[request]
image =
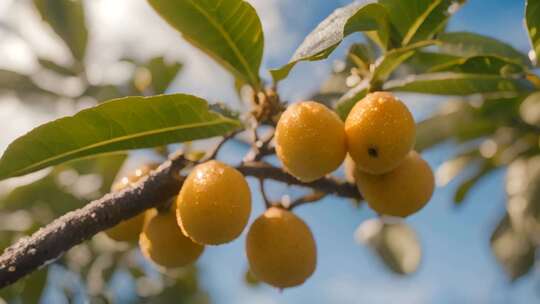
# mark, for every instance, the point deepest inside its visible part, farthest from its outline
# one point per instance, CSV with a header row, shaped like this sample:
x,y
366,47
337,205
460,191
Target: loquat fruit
x,y
128,230
400,192
162,242
214,204
380,131
310,140
280,248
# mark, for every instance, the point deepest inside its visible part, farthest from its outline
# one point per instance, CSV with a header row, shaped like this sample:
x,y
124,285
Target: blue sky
x,y
457,265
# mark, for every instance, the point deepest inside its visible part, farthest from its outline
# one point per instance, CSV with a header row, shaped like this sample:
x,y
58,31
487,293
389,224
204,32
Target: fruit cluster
x,y
214,204
378,134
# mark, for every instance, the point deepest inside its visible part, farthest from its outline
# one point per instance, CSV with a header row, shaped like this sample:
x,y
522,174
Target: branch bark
x,y
328,185
52,241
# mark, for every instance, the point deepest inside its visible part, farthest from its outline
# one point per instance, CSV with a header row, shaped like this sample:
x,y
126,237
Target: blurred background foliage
x,y
93,266
492,116
492,124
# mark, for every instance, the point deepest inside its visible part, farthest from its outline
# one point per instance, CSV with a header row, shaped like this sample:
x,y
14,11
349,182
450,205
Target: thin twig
x,y
267,202
264,149
221,143
308,198
260,149
328,185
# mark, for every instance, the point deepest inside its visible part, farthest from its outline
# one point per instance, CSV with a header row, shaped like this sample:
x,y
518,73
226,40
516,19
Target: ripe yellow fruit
x,y
380,132
400,192
163,243
128,230
310,140
214,204
280,248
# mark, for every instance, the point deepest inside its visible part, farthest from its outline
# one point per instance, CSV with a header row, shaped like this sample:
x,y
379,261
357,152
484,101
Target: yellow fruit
x,y
280,248
214,204
163,243
134,177
310,140
400,192
128,230
380,132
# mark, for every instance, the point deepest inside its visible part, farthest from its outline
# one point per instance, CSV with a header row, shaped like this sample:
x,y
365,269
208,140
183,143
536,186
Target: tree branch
x,y
52,241
327,185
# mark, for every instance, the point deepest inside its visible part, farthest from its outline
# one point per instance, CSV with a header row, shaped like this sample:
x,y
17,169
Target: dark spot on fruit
x,y
373,152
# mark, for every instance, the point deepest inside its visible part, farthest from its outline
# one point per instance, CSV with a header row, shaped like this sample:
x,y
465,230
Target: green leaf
x,y
416,20
485,64
435,20
104,92
370,17
465,187
58,189
153,77
345,104
229,31
28,290
224,110
395,243
34,286
442,126
512,249
13,81
458,84
163,73
107,166
501,109
59,69
452,168
120,124
67,19
391,60
331,31
362,55
532,20
46,191
408,15
424,62
470,44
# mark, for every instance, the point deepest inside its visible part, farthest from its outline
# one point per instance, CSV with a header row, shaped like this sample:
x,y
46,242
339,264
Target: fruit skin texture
x,y
400,192
214,204
310,140
128,230
280,248
380,132
163,243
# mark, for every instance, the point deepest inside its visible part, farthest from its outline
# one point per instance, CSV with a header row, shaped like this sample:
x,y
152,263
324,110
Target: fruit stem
x,y
267,202
221,143
306,199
